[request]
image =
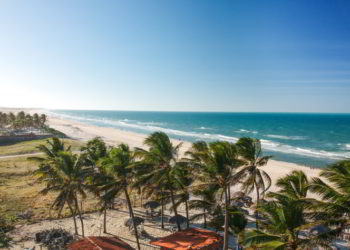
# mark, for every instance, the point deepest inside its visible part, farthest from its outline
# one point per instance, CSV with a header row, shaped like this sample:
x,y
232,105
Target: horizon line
x,y
182,111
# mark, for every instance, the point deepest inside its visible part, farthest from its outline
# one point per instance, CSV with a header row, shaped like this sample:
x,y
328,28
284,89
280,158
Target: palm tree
x,y
118,168
95,150
205,199
42,120
36,120
217,162
251,153
335,194
296,185
65,173
158,193
183,180
20,119
11,119
285,216
50,150
162,160
237,223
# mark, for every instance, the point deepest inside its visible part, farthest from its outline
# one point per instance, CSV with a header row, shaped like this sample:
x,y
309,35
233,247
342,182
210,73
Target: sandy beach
x,y
112,136
23,235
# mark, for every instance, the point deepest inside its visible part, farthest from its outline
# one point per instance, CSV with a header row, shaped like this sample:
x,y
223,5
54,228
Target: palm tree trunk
x,y
75,222
175,209
80,217
237,242
141,197
105,220
226,222
229,193
205,219
162,209
257,205
132,217
188,221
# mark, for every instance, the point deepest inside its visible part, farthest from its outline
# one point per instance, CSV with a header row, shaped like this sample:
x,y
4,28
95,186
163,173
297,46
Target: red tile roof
x,y
98,243
192,238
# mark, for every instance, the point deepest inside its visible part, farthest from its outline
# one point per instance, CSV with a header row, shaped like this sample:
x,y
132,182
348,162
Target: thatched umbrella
x,y
151,205
177,219
319,230
138,221
237,203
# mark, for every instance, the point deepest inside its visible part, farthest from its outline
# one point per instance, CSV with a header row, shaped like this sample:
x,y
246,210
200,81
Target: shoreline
x,y
113,136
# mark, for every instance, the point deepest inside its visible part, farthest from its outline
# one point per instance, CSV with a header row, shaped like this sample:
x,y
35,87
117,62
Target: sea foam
x,y
269,145
284,137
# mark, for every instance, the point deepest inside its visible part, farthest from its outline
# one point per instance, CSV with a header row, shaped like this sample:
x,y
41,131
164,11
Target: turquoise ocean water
x,y
309,139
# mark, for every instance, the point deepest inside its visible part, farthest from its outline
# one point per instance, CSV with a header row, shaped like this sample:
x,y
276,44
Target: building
x,y
192,238
98,243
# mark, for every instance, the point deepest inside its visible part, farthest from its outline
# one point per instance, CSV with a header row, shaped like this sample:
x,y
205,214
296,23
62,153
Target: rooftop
x,y
192,238
98,243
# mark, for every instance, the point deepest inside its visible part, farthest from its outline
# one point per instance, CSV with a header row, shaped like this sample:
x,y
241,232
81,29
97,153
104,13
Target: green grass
x,y
27,147
19,191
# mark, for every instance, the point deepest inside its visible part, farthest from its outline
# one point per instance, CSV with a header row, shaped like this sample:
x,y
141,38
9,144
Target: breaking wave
x,y
267,144
246,131
284,137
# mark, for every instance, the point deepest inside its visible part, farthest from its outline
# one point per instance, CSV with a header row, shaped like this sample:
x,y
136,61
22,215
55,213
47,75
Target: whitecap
x,y
246,131
267,144
152,123
284,137
203,128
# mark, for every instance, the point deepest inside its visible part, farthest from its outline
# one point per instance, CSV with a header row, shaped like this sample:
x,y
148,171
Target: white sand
x,y
113,136
23,236
93,222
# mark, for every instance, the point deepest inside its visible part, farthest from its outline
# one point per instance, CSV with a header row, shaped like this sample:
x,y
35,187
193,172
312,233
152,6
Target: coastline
x,y
114,136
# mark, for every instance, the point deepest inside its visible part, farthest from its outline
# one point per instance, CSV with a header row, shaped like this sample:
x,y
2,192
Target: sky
x,y
176,55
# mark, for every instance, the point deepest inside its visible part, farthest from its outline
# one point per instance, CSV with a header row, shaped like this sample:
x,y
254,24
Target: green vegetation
x,y
10,121
28,147
287,219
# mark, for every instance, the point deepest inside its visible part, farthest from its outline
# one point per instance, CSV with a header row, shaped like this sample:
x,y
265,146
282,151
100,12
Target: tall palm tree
x,y
335,194
65,173
42,120
296,185
217,162
162,159
205,200
95,149
251,153
50,150
118,168
285,217
183,181
157,193
36,120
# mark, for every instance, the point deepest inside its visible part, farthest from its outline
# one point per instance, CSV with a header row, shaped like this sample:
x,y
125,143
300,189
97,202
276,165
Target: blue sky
x,y
269,56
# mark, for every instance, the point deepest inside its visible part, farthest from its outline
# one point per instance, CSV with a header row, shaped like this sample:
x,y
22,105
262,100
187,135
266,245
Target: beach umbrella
x,y
138,221
319,230
151,204
177,219
237,203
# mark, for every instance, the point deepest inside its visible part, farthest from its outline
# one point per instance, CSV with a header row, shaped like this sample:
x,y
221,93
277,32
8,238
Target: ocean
x,y
309,139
